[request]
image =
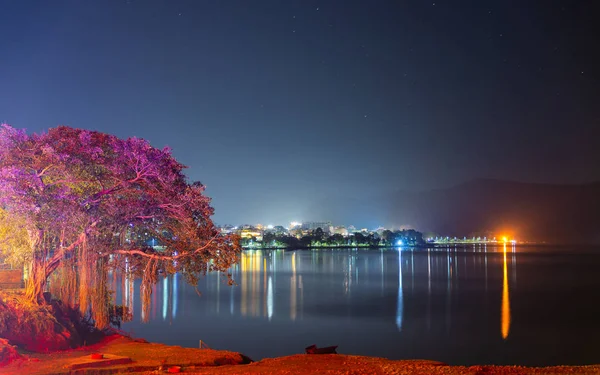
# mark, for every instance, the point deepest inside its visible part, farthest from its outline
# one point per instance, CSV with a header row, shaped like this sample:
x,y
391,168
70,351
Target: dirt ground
x,y
150,358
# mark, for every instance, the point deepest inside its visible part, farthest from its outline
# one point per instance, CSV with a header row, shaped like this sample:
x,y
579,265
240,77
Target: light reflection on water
x,y
442,304
400,298
505,300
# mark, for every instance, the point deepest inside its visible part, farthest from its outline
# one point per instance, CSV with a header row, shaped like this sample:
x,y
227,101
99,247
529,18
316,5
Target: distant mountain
x,y
560,214
535,212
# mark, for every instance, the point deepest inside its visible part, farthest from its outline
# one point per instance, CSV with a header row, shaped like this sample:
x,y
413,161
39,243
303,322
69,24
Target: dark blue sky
x,y
279,105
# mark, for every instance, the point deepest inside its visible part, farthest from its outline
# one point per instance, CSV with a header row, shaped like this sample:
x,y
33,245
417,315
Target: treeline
x,y
318,238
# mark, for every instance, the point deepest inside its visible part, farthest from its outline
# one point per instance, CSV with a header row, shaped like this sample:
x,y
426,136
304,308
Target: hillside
x,y
558,214
534,212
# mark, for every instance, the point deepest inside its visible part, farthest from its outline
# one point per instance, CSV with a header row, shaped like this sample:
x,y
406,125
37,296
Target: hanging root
x,y
148,280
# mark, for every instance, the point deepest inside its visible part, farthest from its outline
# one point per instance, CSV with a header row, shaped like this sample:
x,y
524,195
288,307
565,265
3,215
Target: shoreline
x,y
152,358
426,246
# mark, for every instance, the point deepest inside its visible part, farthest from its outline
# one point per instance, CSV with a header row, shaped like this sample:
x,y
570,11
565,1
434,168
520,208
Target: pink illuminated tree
x,y
91,203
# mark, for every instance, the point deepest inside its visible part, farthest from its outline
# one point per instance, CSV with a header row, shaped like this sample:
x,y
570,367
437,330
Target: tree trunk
x,y
36,282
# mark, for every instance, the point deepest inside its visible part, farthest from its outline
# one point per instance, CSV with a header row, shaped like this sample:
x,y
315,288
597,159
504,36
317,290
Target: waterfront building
x,y
251,233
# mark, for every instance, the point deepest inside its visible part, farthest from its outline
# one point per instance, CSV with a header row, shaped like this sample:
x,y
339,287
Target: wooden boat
x,y
326,350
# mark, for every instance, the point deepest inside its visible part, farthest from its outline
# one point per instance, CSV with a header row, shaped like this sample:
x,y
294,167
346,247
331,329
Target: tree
x,y
372,240
336,239
317,236
84,199
268,239
15,248
359,238
388,237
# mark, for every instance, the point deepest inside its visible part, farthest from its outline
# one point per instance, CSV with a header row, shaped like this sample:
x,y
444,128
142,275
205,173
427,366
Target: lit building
x,y
340,230
251,233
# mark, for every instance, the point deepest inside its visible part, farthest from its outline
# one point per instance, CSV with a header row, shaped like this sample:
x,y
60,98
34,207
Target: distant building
x,y
226,229
251,232
280,229
277,229
380,230
340,230
314,225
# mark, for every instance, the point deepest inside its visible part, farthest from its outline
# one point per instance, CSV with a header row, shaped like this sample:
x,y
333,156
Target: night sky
x,y
276,105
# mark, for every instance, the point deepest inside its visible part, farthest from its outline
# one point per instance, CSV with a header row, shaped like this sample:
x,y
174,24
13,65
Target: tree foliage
x,y
90,202
318,239
15,248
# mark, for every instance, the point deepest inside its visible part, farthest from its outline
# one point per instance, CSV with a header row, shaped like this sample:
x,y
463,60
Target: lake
x,y
475,305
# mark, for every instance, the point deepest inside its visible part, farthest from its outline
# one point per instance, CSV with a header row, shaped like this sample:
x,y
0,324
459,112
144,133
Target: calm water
x,y
530,306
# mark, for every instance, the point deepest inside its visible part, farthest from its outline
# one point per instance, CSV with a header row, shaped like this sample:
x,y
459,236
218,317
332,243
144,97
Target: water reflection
x,y
175,293
258,271
270,298
400,304
428,289
415,291
293,298
505,301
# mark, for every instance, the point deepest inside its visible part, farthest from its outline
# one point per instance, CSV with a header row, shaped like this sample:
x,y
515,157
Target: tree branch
x,y
162,257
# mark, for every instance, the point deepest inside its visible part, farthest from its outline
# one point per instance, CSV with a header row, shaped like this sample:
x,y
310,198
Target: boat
x,y
326,350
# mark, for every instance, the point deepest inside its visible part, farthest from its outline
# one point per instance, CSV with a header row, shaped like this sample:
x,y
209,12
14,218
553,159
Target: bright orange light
x,y
504,239
505,313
